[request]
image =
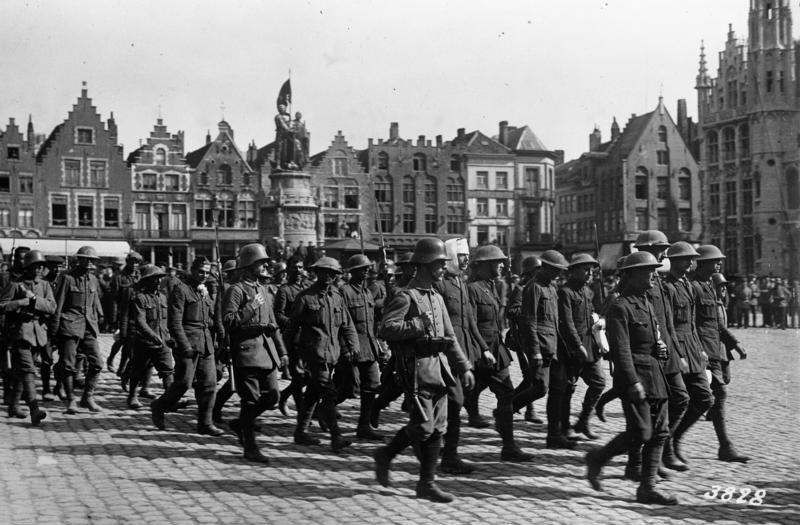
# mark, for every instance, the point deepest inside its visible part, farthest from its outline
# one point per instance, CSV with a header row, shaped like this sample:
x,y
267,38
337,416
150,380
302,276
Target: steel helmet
x,y
428,250
681,249
709,252
357,261
530,264
87,252
33,257
488,252
150,271
134,256
251,254
54,260
639,260
583,258
718,278
554,259
650,238
327,263
278,268
389,268
229,266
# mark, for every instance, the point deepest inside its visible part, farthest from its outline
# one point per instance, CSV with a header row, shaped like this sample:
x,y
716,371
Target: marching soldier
x,y
693,358
26,304
222,357
320,328
53,265
715,338
417,325
455,293
190,318
151,338
284,301
579,349
366,374
530,265
13,275
76,326
256,345
121,293
492,370
638,354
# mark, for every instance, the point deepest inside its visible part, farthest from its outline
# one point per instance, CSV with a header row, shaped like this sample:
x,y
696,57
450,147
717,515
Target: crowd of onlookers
x,y
776,300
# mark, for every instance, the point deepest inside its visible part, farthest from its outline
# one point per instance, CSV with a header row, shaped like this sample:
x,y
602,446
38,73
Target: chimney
x,y
208,136
84,90
438,141
421,140
595,138
559,156
682,119
615,133
369,143
394,131
504,132
112,129
461,132
31,136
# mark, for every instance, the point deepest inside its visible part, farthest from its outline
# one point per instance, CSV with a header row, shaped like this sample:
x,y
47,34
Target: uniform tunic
x,y
75,321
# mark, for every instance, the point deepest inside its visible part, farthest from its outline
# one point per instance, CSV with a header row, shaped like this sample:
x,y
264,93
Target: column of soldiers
x,y
430,329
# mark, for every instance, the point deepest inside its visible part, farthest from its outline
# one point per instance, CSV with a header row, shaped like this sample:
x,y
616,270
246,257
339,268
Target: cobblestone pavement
x,y
115,468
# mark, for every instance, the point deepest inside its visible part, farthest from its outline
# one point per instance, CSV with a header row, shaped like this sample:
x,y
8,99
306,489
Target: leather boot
x,y
69,396
223,395
133,399
304,412
37,414
157,414
594,466
669,459
555,439
248,436
286,393
87,400
633,469
504,421
451,461
426,487
327,413
647,493
582,426
384,455
530,415
15,401
47,394
364,430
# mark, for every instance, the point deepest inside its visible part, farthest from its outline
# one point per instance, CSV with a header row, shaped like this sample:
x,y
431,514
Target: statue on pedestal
x,y
291,136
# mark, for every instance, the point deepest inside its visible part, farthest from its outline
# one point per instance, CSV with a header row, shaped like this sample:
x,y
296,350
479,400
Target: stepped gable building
x,y
226,193
644,178
534,189
19,216
84,185
749,128
344,192
161,198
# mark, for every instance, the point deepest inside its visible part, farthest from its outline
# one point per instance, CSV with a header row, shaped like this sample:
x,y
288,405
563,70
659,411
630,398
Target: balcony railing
x,y
160,234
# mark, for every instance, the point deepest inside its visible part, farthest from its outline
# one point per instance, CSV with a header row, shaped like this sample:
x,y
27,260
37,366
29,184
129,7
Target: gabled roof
x,y
630,135
193,158
49,142
524,139
477,142
134,156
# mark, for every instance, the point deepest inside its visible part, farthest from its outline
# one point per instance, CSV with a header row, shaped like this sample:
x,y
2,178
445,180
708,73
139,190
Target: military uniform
x,y
122,291
284,300
190,320
151,341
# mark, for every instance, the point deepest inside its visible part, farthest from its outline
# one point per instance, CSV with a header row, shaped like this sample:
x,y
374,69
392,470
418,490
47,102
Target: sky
x,y
560,67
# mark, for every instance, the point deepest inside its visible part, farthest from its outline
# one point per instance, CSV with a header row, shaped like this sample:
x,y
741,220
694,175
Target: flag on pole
x,y
285,95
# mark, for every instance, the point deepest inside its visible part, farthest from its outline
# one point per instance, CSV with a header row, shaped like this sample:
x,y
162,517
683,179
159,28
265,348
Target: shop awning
x,y
67,247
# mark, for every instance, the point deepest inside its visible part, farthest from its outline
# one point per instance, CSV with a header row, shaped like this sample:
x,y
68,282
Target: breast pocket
x,y
74,296
707,309
640,328
358,310
682,312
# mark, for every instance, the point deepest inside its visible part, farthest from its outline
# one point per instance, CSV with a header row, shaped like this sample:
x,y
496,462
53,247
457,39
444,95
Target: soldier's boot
x,y
327,412
47,393
504,422
223,395
37,414
87,400
248,436
595,459
205,404
451,461
599,408
133,398
67,382
283,399
429,456
670,460
7,386
58,389
474,417
582,425
304,412
726,450
382,400
384,455
633,468
144,391
364,430
647,492
530,415
555,439
691,417
15,402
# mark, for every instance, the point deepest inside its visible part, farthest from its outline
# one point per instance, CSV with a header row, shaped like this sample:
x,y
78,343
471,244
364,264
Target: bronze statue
x,y
291,140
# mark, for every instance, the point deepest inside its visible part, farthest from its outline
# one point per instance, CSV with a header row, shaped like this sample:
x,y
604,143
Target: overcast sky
x,y
559,66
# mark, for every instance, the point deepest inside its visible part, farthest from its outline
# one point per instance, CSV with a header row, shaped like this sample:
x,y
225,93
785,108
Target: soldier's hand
x,y
636,392
348,357
584,352
29,294
468,380
537,360
284,362
741,351
258,300
427,319
488,357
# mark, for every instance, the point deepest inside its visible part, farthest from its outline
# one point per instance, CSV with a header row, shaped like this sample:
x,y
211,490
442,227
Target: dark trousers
x,y
196,370
256,387
23,370
68,355
700,400
536,385
562,384
321,389
144,356
720,377
592,374
498,382
455,401
779,316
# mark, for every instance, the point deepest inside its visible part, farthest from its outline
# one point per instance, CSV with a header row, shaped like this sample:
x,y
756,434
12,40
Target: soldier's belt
x,y
431,346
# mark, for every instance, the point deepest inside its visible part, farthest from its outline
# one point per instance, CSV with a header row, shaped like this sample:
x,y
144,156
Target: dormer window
x,y
84,135
12,152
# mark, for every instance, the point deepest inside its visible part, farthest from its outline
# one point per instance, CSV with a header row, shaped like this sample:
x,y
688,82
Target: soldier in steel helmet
x,y
14,274
256,345
578,347
190,318
75,325
693,358
530,265
639,355
121,293
417,325
150,335
321,330
539,330
26,304
492,369
717,341
284,300
365,372
222,356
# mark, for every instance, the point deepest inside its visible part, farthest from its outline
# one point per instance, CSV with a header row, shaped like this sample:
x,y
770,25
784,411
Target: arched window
x,y
455,190
160,156
729,144
792,189
712,140
409,193
383,160
224,175
641,183
430,190
419,162
662,134
340,163
685,185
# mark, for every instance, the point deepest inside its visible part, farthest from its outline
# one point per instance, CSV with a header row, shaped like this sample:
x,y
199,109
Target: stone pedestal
x,y
290,210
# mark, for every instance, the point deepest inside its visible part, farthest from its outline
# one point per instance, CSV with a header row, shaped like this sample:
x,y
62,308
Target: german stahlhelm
x,y
251,254
357,261
428,250
33,257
